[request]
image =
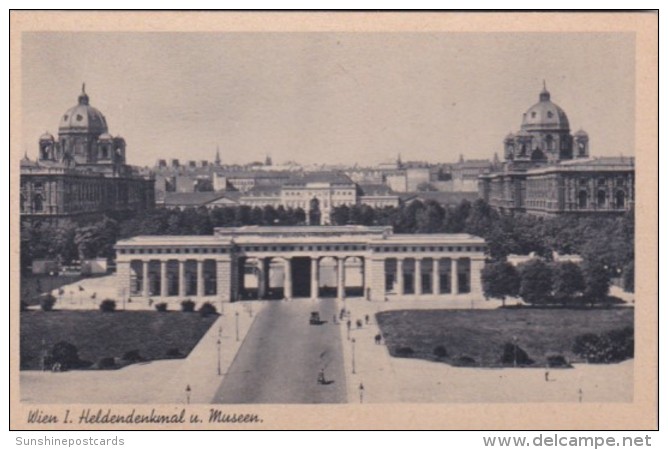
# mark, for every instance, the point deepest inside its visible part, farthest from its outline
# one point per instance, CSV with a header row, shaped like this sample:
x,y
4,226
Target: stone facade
x,y
83,173
289,262
548,171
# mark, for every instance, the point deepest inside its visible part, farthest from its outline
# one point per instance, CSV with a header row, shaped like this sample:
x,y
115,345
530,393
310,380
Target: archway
x,y
538,155
583,200
620,200
601,199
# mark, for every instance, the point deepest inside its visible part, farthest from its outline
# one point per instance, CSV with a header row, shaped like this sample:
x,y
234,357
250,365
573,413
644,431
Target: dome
x,y
545,115
83,118
581,133
105,137
46,137
510,137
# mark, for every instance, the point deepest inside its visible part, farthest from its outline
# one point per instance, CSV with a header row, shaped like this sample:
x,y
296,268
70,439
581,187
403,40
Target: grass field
x,y
100,335
481,334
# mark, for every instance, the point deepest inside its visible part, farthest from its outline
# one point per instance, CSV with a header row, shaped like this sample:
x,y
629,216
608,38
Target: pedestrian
x,y
348,324
359,323
377,339
386,298
334,319
366,319
547,375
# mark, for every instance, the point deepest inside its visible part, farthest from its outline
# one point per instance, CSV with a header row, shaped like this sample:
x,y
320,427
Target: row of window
x,y
302,248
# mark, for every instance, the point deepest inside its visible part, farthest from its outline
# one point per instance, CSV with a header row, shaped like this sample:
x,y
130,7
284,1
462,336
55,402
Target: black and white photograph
x,y
224,218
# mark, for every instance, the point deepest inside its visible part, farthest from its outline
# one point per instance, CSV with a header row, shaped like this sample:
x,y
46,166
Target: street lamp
x,y
218,344
236,317
188,390
514,351
353,345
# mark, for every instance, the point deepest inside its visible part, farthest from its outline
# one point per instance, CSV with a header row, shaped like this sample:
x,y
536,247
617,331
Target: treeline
x,y
607,240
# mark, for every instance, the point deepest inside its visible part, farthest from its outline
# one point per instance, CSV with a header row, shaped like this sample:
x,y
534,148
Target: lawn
x,y
103,335
481,334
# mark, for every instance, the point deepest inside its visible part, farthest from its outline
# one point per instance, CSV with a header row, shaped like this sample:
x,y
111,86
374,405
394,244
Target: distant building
x,y
548,171
465,173
83,174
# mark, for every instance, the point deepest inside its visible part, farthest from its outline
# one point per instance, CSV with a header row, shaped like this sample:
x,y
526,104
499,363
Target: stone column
x,y
454,277
436,277
315,275
341,278
261,278
418,276
182,278
146,281
376,281
224,280
476,268
400,276
163,278
287,281
124,278
200,278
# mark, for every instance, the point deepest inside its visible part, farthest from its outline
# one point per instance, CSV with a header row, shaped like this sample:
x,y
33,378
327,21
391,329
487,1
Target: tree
x,y
500,280
628,277
597,281
340,215
535,282
567,281
430,218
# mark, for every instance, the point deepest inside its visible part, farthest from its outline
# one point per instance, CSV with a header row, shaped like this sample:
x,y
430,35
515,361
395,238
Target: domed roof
x,y
581,133
510,137
83,118
46,136
545,115
105,137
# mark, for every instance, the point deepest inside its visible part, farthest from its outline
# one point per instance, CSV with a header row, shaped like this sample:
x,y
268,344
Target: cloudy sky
x,y
328,97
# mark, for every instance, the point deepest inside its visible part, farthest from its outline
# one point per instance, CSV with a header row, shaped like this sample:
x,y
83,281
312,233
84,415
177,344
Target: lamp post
x,y
218,345
43,354
188,390
236,317
514,351
353,346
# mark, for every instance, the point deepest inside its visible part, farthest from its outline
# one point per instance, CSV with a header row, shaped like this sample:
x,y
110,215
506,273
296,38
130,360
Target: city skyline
x,y
328,97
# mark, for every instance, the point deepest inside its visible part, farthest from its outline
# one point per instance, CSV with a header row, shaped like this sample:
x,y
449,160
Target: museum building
x,y
82,174
256,262
549,171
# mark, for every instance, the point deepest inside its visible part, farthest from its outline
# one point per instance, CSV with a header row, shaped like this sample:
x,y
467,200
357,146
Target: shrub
x,y
207,309
47,302
187,306
556,360
108,305
161,307
65,354
132,356
613,346
106,363
174,353
514,355
404,351
440,351
464,361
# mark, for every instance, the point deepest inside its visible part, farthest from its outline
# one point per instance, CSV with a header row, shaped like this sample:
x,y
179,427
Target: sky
x,y
328,97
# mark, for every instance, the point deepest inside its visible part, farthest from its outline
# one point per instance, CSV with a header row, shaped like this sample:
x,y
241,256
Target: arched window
x,y
549,143
37,203
105,152
23,202
537,155
523,152
582,200
601,199
620,199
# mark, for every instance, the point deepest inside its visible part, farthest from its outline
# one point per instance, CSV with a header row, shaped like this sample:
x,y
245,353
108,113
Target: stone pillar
x,y
454,277
182,278
341,278
418,276
146,281
163,278
200,278
123,277
400,276
287,281
314,277
261,278
476,282
436,277
376,281
224,280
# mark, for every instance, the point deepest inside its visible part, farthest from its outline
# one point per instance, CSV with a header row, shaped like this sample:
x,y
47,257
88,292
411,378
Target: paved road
x,y
279,360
